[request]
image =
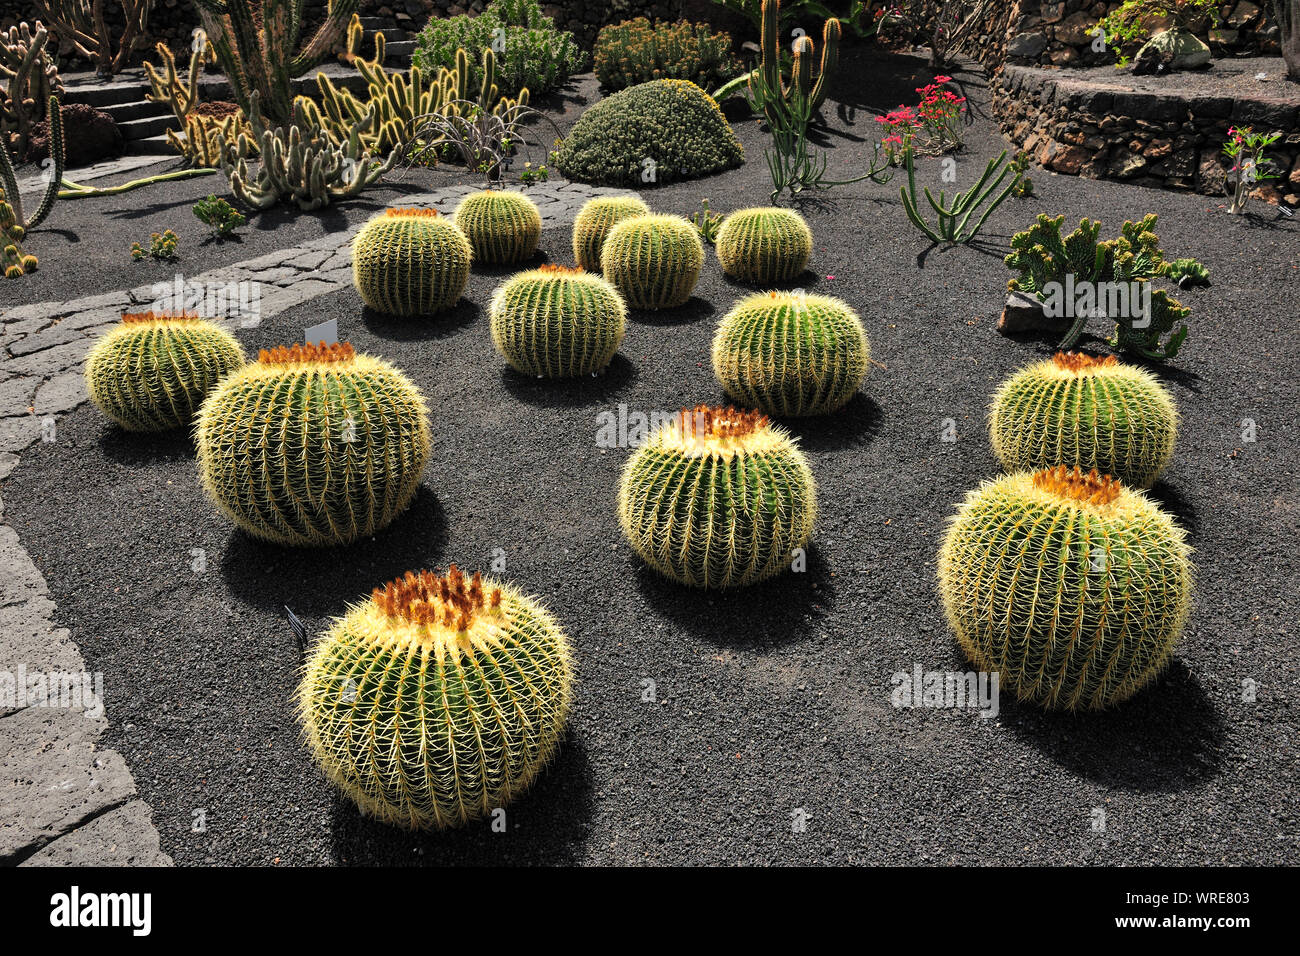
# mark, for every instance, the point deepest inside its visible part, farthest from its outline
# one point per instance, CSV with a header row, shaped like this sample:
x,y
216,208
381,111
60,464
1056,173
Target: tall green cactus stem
x,y
594,221
1071,586
775,95
504,227
654,261
791,354
437,700
557,322
313,446
410,262
28,78
718,498
1094,413
53,176
256,43
953,223
152,372
764,246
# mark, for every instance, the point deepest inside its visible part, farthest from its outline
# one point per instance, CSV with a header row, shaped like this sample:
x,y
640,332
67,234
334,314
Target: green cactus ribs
x,y
503,227
438,700
410,262
557,322
718,498
764,246
152,372
1075,409
313,445
594,221
1069,584
654,261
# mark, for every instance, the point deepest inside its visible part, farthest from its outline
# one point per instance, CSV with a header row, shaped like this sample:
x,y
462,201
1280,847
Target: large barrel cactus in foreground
x,y
718,498
152,372
438,699
764,246
1078,410
594,221
410,262
1070,585
653,261
313,445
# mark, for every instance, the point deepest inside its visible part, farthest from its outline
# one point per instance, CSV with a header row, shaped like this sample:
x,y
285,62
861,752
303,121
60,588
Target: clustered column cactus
x,y
205,140
439,699
594,221
81,25
15,261
773,95
764,246
410,262
654,261
28,78
504,227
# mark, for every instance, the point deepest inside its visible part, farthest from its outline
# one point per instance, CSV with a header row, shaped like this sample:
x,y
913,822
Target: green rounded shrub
x,y
635,51
764,246
410,262
594,221
557,322
654,261
152,372
502,226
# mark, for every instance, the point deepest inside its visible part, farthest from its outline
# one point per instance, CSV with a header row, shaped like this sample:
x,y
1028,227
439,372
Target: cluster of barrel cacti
x,y
411,262
654,261
594,221
503,226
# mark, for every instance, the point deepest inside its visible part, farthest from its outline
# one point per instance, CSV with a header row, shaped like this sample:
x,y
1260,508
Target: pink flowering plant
x,y
1250,166
932,127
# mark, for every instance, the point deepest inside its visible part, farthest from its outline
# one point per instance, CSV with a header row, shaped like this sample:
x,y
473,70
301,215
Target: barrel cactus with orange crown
x,y
153,371
313,445
410,262
437,700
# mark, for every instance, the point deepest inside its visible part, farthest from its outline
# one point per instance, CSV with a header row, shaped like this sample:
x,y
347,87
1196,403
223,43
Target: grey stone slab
x,y
16,394
59,334
8,462
18,432
51,360
122,837
61,393
20,579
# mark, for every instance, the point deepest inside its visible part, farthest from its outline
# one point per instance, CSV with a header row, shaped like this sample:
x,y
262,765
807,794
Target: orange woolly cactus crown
x,y
1091,488
429,598
301,354
706,429
411,211
554,268
143,318
1082,364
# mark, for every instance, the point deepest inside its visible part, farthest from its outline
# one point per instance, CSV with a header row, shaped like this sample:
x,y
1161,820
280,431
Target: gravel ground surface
x,y
770,737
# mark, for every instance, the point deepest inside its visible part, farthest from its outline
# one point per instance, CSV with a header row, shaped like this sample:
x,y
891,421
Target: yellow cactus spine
x,y
594,221
410,262
654,261
764,246
504,227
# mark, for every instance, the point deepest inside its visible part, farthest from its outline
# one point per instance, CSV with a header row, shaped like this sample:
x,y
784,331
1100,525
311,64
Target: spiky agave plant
x,y
438,699
654,261
718,498
410,262
313,445
153,371
790,353
764,246
557,322
1069,584
594,221
1075,409
503,226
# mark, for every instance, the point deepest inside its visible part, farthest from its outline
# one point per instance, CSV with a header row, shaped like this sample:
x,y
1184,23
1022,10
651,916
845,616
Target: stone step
x,y
150,146
401,49
147,127
140,109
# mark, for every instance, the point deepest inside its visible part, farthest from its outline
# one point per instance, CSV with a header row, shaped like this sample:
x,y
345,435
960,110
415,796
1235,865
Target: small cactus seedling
x,y
1078,410
218,215
764,246
594,221
313,445
1069,584
152,372
410,262
654,261
504,227
437,700
718,498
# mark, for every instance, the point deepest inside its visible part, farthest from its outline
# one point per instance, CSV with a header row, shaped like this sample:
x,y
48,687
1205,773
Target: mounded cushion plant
x,y
594,221
1070,585
764,246
438,699
635,51
503,226
1074,409
313,445
670,126
410,262
718,498
790,353
654,261
557,322
152,372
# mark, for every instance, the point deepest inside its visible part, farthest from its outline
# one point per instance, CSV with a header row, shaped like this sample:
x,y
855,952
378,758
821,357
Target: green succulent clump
x,y
410,262
1187,273
437,700
657,132
1094,413
764,246
654,261
152,372
594,221
790,353
557,322
503,226
313,446
718,498
1071,586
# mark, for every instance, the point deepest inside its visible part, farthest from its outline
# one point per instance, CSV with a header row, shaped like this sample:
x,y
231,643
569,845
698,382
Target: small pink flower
x,y
831,278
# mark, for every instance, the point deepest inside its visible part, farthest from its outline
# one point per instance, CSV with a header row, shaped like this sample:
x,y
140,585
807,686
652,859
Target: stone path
x,y
63,800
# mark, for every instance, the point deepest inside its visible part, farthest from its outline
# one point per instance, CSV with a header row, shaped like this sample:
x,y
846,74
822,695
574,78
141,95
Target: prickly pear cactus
x,y
594,221
654,261
437,700
410,262
718,498
504,227
764,246
1071,586
152,372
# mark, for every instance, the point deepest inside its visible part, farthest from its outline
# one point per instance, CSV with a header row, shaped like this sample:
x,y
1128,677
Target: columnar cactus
x,y
790,353
153,371
438,699
1078,410
313,445
654,261
28,78
410,262
1069,584
504,227
594,221
718,498
557,322
764,246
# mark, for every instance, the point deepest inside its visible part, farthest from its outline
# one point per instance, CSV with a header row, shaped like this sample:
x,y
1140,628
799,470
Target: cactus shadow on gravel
x,y
141,449
1173,500
581,392
421,328
854,424
693,311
